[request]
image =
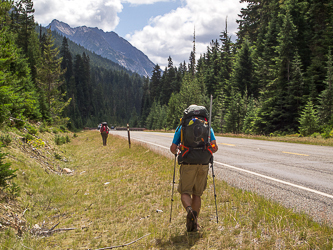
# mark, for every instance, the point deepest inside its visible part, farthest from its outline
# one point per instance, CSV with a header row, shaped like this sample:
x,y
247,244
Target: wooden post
x,y
129,136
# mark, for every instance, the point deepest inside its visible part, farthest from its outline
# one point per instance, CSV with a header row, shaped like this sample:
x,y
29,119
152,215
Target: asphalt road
x,y
296,175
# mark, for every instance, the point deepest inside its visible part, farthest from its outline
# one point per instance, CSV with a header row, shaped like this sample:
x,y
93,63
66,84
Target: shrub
x,y
5,172
14,190
63,128
5,139
315,135
43,129
32,130
28,137
36,143
59,140
57,156
67,139
326,132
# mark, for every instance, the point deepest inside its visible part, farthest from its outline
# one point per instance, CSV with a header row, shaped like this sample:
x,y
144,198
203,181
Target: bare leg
x,y
194,202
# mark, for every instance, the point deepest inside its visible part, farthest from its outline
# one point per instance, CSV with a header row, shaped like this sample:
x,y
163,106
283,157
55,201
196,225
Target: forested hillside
x,y
276,78
59,85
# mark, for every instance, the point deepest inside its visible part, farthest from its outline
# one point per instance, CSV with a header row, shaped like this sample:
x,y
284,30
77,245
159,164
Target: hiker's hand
x,y
174,149
213,146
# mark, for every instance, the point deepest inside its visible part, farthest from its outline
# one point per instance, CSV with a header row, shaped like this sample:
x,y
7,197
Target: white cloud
x,y
137,2
166,35
98,13
172,33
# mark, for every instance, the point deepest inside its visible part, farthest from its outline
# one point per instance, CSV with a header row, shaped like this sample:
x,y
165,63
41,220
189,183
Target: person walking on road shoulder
x,y
193,161
104,132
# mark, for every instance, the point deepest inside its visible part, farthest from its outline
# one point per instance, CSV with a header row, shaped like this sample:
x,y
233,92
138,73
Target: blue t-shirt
x,y
176,137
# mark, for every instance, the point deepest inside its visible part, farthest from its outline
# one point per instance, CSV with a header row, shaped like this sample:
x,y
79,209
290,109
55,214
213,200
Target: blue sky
x,y
135,17
159,28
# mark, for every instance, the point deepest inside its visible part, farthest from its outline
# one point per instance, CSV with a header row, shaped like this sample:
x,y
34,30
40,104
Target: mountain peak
x,y
61,27
107,44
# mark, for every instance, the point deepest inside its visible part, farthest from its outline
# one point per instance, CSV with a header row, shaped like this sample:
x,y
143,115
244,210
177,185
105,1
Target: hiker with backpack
x,y
104,132
194,142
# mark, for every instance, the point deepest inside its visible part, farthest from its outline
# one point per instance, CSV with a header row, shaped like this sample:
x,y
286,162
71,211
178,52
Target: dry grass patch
x,y
114,194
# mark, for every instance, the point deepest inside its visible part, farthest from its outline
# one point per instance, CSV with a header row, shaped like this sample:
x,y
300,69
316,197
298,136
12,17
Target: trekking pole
x,y
212,159
173,185
212,166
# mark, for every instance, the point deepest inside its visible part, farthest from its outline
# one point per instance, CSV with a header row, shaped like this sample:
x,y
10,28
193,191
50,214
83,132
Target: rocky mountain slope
x,y
108,45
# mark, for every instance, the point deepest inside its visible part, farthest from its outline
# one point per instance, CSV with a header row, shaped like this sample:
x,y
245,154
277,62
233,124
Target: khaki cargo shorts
x,y
193,179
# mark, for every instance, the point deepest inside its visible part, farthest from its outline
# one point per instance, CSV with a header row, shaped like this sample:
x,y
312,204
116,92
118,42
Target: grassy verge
x,y
113,196
287,138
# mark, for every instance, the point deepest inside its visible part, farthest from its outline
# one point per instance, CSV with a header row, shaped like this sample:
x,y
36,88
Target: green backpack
x,y
194,136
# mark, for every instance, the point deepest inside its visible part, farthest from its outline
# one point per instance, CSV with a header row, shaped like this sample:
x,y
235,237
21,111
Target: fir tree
x,y
325,107
49,80
309,120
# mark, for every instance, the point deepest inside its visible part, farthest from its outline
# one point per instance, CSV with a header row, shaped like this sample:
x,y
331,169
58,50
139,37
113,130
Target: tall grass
x,y
114,196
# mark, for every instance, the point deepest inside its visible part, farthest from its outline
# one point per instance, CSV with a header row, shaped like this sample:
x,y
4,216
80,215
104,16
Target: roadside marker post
x,y
129,136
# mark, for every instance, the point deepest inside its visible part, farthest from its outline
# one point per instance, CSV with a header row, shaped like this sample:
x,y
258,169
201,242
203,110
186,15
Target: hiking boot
x,y
191,220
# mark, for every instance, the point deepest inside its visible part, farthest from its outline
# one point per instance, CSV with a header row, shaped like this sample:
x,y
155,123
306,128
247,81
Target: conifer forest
x,y
275,78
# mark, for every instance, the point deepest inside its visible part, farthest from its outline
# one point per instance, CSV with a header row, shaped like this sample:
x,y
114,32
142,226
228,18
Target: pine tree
x,y
49,80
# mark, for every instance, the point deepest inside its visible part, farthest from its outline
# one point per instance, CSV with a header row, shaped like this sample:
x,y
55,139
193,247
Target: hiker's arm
x,y
174,148
214,149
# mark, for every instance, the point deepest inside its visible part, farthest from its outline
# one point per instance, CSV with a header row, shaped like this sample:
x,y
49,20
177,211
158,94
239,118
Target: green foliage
x,y
31,129
62,128
157,117
309,120
57,156
5,139
17,92
325,107
36,143
6,173
28,137
14,190
43,128
60,140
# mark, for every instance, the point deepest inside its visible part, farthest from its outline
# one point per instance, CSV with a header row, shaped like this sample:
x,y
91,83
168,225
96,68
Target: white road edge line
x,y
276,180
256,174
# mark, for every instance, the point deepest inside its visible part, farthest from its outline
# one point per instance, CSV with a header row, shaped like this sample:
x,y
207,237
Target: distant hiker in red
x,y
104,132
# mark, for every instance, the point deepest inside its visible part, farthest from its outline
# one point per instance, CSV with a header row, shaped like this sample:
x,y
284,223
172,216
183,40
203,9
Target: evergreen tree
x,y
295,93
49,80
18,97
251,117
242,76
235,114
67,60
309,120
6,173
155,84
325,107
23,23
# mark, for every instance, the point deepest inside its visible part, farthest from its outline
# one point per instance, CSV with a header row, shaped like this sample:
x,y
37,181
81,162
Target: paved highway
x,y
296,175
